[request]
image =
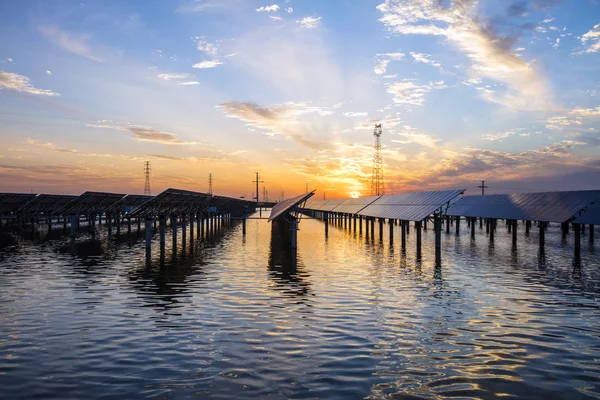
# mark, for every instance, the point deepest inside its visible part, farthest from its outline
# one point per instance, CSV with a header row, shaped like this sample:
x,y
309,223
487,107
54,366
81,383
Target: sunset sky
x,y
507,91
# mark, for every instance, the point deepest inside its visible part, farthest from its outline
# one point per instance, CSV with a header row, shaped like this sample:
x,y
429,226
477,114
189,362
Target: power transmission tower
x,y
257,181
482,187
147,170
377,186
282,196
210,182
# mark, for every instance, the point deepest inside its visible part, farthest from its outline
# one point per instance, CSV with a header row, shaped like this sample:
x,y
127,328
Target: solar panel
x,y
11,202
353,206
282,207
47,204
410,206
590,216
90,203
544,207
329,205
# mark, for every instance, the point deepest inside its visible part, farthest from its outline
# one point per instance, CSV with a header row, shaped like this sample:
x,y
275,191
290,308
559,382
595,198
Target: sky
x,y
502,91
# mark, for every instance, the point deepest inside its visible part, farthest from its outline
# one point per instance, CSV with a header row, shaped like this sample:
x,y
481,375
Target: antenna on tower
x,y
147,170
210,182
377,186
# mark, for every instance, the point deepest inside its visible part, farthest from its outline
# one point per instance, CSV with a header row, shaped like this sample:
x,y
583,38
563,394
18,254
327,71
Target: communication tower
x,y
377,186
147,170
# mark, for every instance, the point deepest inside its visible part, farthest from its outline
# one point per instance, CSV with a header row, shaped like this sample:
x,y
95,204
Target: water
x,y
356,319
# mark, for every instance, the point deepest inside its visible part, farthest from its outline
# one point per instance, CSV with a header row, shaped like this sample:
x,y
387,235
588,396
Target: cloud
x,y
144,133
278,119
355,114
214,6
490,54
408,92
501,136
289,10
203,46
274,18
271,8
383,59
425,59
174,77
10,60
575,117
72,42
20,83
189,83
309,22
48,72
592,40
207,64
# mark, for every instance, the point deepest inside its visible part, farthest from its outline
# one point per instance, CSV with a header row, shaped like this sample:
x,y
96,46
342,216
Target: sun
x,y
355,195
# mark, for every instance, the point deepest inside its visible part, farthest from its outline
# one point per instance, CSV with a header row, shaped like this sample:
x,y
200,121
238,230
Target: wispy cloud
x,y
425,59
277,120
270,8
355,114
592,40
491,55
409,92
144,133
207,64
383,59
174,77
189,83
73,42
210,6
309,22
203,46
20,83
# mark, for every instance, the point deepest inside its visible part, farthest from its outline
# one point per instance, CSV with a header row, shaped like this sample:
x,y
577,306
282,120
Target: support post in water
x,y
148,232
542,234
294,233
74,225
592,233
473,220
438,240
577,230
391,223
162,232
244,225
514,233
380,229
174,232
326,219
418,231
403,234
457,226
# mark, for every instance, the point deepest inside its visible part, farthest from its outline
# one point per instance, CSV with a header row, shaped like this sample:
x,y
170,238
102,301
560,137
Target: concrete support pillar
x,y
542,234
294,234
425,225
514,233
109,223
360,221
183,231
154,222
403,234
448,225
162,229
326,218
408,227
367,227
418,231
380,229
527,228
480,223
473,222
457,225
174,232
591,233
438,240
202,223
198,222
129,225
492,229
577,244
391,224
244,225
148,233
372,228
139,226
345,218
191,230
118,223
74,219
354,223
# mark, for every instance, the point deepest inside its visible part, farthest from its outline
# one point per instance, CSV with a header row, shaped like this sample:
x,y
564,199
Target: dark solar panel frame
x,y
45,204
90,203
281,208
11,202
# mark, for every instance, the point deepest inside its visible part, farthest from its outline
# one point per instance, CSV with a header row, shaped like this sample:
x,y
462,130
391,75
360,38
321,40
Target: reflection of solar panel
x,y
282,207
353,206
410,206
544,207
590,216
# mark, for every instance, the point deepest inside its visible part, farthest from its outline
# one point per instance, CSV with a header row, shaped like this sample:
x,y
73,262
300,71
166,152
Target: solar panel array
x,y
282,207
410,206
544,207
11,202
90,203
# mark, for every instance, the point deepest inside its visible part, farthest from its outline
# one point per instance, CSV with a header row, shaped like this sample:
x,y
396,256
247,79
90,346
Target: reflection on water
x,y
350,316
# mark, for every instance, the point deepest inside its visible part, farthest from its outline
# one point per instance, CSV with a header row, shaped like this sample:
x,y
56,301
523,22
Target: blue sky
x,y
505,91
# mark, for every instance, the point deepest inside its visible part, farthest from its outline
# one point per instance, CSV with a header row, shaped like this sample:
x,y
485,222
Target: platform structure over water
x,y
285,217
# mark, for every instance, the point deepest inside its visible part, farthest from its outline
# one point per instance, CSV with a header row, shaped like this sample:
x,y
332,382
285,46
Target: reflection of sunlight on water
x,y
349,317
